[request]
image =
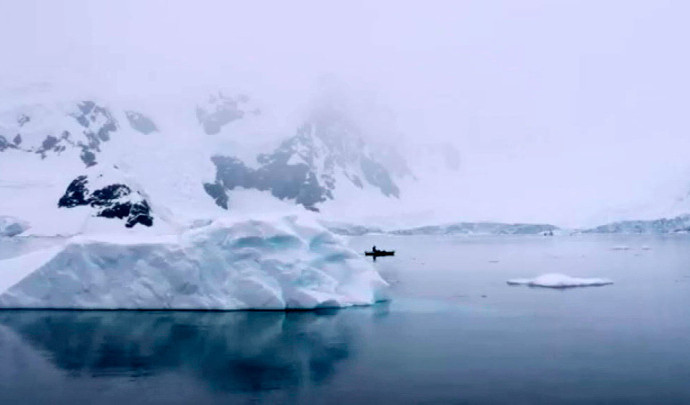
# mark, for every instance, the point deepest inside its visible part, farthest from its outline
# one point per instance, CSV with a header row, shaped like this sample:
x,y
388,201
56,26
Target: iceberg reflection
x,y
228,351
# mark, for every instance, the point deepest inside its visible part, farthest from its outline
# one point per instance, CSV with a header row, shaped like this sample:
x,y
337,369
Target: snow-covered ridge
x,y
479,228
288,263
181,160
679,224
460,228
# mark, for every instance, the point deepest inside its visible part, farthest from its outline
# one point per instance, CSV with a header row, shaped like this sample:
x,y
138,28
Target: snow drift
x,y
555,280
225,265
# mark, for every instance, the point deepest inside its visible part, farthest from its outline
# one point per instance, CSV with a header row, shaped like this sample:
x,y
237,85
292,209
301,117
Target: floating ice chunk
x,y
277,264
555,280
10,226
645,247
621,247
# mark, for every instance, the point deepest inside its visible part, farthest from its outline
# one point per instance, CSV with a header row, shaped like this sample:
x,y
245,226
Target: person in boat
x,y
374,249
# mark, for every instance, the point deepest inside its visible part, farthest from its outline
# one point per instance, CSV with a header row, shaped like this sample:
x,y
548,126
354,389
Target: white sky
x,y
570,112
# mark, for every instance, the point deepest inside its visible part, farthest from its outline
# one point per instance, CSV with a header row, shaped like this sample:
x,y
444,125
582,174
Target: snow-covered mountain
x,y
180,203
325,153
167,167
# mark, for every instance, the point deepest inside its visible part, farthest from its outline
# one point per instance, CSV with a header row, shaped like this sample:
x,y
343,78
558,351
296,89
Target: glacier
x,y
268,264
555,280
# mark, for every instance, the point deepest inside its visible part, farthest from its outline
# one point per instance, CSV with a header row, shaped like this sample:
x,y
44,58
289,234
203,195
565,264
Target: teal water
x,y
454,333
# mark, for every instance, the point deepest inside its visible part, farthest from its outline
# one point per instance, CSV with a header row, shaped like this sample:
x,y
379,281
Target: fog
x,y
569,112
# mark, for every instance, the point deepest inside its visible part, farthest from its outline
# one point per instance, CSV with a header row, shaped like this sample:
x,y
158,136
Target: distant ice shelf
x,y
679,224
460,228
555,280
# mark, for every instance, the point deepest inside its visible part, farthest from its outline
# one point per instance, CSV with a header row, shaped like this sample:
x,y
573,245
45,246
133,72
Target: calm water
x,y
454,333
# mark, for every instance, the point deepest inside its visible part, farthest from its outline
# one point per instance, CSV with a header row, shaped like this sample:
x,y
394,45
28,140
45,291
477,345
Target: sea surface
x,y
454,332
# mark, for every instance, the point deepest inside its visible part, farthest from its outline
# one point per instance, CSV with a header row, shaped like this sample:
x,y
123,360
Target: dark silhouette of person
x,y
374,249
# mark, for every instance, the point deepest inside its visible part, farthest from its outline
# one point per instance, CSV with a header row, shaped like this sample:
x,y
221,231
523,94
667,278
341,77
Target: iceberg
x,y
281,264
555,280
10,226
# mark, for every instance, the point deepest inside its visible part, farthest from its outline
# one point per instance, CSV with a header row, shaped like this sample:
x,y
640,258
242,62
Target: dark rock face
x,y
217,191
378,176
53,144
49,143
88,157
222,111
76,194
4,144
98,125
140,213
304,167
283,180
112,201
23,119
140,122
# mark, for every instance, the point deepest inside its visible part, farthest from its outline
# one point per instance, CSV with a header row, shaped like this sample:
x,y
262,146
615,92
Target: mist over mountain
x,y
498,112
110,160
497,190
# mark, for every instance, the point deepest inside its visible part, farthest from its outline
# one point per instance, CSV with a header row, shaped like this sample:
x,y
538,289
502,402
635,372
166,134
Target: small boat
x,y
378,253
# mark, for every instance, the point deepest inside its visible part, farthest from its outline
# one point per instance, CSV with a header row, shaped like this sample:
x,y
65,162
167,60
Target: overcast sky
x,y
562,111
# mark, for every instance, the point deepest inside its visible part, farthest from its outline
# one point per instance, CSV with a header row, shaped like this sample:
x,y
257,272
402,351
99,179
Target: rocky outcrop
x,y
110,201
141,123
304,167
220,111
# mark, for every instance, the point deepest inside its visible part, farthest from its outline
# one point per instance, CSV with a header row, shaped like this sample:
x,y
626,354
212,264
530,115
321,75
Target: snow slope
x,y
286,263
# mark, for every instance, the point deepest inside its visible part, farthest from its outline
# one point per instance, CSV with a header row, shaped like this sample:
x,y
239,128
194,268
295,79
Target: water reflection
x,y
227,351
